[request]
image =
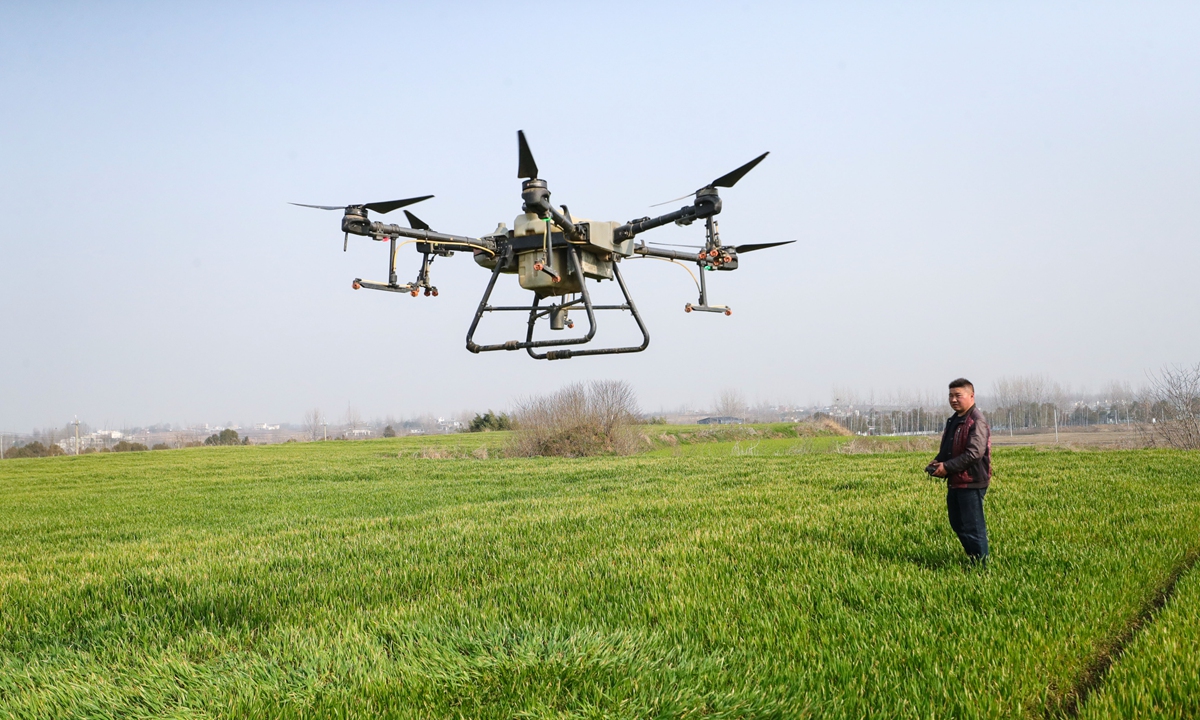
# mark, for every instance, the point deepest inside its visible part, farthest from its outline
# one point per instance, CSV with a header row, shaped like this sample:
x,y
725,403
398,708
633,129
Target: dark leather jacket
x,y
966,451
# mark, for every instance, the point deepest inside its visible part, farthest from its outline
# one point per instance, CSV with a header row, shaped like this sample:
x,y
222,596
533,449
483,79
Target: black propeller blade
x,y
759,246
730,179
526,167
386,207
415,222
727,180
321,207
380,207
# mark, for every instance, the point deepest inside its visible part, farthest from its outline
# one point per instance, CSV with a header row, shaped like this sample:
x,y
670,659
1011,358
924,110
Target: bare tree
x,y
578,420
1175,391
613,403
313,424
762,411
730,403
353,419
1121,397
1029,399
1119,392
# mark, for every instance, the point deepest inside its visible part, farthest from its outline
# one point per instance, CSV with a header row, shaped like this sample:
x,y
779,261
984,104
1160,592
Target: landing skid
x,y
537,312
708,308
407,288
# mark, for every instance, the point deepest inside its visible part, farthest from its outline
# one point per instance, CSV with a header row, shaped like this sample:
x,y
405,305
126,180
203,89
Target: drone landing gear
x,y
708,308
408,288
703,305
557,315
393,285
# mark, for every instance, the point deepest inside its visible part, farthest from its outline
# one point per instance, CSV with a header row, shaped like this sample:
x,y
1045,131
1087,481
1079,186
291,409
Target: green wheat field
x,y
432,578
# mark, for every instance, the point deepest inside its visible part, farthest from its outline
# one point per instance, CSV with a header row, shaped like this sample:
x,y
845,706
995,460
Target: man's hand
x,y
939,471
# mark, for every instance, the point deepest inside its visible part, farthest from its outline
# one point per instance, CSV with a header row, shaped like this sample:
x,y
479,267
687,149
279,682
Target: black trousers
x,y
965,506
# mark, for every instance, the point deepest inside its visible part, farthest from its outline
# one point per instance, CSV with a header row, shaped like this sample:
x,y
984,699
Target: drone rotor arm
x,y
654,252
704,207
459,242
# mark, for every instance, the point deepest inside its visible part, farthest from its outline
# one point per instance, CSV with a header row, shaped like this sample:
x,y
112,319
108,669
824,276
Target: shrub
x,y
126,446
225,437
1176,394
389,431
34,450
161,446
490,421
578,420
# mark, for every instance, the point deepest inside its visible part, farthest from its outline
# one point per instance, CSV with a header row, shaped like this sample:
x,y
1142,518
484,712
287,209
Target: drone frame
x,y
600,245
536,312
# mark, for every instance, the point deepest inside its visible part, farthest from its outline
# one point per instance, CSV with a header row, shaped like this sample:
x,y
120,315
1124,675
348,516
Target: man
x,y
965,460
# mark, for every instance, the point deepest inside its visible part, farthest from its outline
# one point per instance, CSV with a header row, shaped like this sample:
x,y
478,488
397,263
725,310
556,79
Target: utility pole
x,y
324,430
76,434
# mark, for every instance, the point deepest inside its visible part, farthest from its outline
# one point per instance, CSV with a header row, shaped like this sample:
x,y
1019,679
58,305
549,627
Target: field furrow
x,y
1158,674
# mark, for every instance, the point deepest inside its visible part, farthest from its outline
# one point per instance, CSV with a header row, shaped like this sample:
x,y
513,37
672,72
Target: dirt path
x,y
1098,436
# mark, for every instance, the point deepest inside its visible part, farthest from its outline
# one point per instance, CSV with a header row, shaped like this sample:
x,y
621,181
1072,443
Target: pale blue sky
x,y
976,189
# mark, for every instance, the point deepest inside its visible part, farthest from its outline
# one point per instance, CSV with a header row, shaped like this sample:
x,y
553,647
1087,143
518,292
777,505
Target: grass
x,y
361,579
1158,675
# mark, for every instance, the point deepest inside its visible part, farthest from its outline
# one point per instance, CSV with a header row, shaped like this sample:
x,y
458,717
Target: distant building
x,y
720,420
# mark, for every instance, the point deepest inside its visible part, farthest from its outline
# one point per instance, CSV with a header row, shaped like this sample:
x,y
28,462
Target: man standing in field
x,y
965,460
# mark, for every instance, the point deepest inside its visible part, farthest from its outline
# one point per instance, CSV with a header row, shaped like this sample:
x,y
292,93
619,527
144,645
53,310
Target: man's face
x,y
961,399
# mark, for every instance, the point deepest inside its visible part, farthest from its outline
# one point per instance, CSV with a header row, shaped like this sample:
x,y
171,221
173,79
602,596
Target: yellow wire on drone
x,y
438,242
672,260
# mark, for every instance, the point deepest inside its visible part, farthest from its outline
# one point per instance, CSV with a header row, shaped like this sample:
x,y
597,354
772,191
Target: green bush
x,y
126,446
225,437
34,450
490,421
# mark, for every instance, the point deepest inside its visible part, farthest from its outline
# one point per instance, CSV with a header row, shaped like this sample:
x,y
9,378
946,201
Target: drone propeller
x,y
727,180
415,222
321,207
730,179
380,207
526,167
759,246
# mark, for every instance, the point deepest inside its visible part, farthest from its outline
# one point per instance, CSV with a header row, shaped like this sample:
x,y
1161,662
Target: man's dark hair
x,y
962,382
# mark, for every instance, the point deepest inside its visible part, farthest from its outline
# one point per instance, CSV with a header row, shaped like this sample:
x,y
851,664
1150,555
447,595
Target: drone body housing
x,y
538,245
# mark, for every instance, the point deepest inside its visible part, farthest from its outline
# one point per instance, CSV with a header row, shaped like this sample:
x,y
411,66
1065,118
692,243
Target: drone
x,y
554,254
